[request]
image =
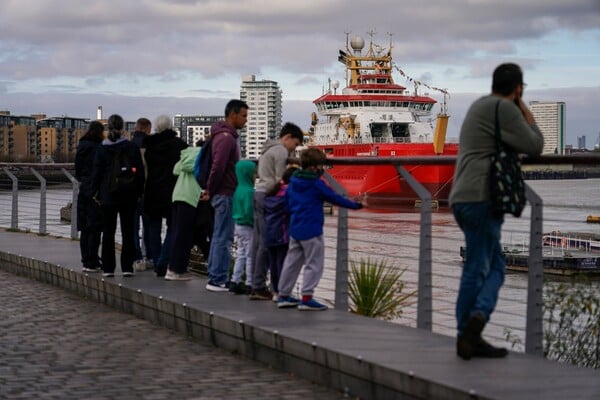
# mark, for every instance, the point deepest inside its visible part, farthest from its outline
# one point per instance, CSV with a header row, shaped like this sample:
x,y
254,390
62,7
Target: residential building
x,y
551,119
264,116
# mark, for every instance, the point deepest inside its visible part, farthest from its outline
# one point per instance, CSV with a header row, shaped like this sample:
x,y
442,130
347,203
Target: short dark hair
x,y
143,123
312,157
506,78
292,129
235,106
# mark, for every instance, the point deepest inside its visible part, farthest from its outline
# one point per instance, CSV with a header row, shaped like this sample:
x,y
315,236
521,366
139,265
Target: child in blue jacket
x,y
305,196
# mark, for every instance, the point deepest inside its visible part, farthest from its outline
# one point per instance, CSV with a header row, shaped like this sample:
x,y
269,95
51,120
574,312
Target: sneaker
x,y
311,305
217,287
237,288
287,302
139,265
108,274
128,274
174,276
91,269
468,342
263,294
275,297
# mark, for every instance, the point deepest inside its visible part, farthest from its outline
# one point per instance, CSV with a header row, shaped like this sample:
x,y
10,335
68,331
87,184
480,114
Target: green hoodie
x,y
187,188
243,197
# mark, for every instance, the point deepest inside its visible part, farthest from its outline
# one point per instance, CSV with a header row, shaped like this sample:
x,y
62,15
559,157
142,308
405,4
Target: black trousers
x,y
125,212
89,222
182,239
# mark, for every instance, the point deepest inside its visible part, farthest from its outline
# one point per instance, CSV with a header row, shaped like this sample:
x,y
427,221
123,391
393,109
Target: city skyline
x,y
183,57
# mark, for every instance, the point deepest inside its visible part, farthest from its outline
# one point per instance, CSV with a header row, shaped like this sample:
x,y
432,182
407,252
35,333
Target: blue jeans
x,y
483,269
220,245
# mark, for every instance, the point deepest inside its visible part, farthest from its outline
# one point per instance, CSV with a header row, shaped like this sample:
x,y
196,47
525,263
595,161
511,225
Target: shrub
x,y
376,289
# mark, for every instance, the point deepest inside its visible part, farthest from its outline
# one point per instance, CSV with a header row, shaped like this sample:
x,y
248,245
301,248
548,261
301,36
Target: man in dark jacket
x,y
117,201
219,189
89,216
163,150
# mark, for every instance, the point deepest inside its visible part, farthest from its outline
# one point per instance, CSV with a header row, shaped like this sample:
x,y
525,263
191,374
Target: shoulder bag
x,y
507,188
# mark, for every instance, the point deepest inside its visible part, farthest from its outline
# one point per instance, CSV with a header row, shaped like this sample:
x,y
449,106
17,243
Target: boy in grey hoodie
x,y
271,167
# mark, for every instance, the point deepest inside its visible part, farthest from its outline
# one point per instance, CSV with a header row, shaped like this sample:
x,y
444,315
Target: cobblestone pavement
x,y
56,345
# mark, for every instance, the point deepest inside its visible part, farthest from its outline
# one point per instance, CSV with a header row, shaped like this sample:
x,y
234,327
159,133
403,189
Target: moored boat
x,y
593,219
374,117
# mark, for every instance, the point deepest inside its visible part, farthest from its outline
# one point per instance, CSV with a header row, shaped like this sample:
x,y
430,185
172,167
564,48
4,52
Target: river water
x,y
393,236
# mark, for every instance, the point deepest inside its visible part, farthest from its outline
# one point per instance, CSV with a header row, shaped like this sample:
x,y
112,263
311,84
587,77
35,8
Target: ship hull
x,y
382,182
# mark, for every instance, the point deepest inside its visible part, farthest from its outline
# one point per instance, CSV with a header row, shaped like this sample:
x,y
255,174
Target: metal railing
x,y
432,270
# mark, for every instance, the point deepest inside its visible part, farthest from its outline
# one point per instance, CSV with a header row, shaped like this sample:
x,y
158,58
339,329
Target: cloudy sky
x,y
149,57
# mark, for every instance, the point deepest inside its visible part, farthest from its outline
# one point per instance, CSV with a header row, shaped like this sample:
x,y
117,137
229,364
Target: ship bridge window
x,y
377,130
400,130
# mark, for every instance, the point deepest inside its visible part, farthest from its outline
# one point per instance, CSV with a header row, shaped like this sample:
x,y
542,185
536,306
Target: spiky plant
x,y
376,289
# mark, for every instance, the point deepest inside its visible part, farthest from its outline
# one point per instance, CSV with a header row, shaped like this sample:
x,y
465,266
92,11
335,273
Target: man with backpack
x,y
220,186
117,184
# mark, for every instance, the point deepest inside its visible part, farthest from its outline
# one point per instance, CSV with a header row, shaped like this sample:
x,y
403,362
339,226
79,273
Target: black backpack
x,y
122,176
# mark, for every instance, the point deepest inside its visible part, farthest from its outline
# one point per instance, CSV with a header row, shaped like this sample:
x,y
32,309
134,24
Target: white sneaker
x,y
173,276
139,265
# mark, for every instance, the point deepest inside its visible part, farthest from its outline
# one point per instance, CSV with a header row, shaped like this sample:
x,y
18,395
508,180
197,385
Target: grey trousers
x,y
311,254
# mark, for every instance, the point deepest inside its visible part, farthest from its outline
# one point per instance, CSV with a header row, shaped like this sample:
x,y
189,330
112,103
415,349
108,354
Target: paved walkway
x,y
369,358
56,345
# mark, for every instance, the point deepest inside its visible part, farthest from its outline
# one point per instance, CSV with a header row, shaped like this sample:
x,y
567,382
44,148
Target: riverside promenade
x,y
353,355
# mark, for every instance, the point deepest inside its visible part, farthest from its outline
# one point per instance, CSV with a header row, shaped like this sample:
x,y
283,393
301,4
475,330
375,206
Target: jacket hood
x,y
268,144
244,171
108,142
222,126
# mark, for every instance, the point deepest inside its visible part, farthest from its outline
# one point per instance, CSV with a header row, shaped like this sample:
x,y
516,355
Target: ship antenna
x,y
347,40
371,33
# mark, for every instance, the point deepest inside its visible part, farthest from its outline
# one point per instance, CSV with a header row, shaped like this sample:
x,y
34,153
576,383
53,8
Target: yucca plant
x,y
376,289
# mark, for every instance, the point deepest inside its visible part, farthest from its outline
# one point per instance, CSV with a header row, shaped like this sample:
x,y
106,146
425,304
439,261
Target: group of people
x,y
272,207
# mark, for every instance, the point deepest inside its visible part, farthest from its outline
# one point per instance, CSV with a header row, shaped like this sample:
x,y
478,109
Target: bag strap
x,y
497,129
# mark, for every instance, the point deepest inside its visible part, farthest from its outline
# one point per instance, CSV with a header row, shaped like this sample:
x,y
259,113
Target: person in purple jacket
x,y
221,184
304,199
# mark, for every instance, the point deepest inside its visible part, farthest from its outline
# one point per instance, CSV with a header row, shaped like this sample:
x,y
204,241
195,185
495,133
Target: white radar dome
x,y
357,43
335,84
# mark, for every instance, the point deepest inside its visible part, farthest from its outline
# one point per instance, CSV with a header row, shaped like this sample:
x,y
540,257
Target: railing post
x,y
424,294
73,203
14,216
341,259
534,331
42,229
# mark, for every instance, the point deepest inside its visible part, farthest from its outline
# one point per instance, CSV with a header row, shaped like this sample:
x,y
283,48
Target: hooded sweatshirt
x,y
271,165
225,153
243,198
187,188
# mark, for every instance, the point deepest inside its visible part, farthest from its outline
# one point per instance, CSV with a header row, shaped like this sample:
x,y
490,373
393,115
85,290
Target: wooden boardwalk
x,y
366,358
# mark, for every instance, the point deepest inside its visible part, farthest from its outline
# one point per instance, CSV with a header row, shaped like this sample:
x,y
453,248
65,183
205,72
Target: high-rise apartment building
x,y
264,116
551,119
581,142
192,128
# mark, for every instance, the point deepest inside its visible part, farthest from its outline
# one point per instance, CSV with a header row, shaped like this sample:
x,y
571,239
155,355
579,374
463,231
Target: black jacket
x,y
102,171
84,162
163,150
